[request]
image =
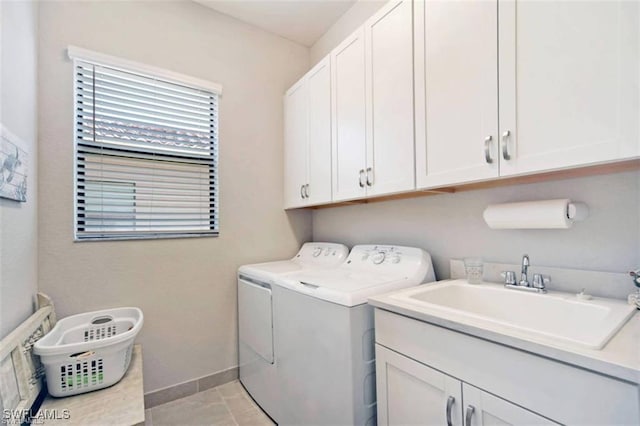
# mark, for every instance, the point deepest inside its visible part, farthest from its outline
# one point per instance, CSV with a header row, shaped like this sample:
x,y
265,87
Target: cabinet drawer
x,y
558,391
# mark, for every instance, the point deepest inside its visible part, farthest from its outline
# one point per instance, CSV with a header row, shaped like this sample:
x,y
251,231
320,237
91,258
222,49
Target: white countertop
x,y
619,358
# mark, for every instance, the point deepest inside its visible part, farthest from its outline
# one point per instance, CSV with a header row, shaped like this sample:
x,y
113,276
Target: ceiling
x,y
302,21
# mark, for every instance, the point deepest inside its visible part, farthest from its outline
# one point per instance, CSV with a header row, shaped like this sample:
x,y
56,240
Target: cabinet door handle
x,y
468,415
360,178
306,191
505,146
450,401
369,181
487,149
302,191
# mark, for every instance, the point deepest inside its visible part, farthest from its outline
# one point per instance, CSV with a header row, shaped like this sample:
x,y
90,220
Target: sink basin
x,y
558,316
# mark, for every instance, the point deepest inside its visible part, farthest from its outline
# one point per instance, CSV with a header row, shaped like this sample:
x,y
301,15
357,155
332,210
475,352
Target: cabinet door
x,y
456,91
348,107
569,83
410,393
482,408
389,80
319,135
295,145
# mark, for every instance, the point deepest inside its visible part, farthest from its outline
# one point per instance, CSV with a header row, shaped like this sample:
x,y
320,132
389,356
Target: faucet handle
x,y
509,277
540,281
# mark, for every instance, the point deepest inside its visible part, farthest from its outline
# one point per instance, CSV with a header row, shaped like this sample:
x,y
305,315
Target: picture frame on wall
x,y
14,160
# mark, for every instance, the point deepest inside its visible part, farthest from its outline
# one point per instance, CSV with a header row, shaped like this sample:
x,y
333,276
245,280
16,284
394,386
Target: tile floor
x,y
228,404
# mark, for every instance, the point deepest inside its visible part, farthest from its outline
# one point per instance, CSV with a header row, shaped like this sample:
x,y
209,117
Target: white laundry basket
x,y
90,351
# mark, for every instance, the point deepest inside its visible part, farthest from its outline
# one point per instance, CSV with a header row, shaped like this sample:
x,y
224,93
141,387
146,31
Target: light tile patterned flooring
x,y
227,405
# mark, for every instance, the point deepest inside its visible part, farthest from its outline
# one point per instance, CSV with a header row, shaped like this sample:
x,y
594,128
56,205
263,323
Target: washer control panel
x,y
382,255
322,253
378,257
391,261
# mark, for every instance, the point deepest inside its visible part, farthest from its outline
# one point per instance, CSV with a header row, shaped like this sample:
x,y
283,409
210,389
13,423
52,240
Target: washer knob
x,y
378,258
395,259
317,251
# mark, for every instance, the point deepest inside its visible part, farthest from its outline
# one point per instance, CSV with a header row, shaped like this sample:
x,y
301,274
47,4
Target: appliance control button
x,y
378,258
395,259
317,251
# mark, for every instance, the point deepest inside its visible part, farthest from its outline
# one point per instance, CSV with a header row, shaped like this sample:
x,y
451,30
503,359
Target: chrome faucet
x,y
538,284
524,279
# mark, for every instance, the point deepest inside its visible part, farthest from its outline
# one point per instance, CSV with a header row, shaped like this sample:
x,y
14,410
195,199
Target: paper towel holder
x,y
577,211
541,214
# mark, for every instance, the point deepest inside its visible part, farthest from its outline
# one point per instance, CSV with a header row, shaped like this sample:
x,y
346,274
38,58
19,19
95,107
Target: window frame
x,y
76,54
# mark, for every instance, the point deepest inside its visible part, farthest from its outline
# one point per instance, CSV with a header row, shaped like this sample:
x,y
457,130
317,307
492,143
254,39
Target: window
x,y
146,151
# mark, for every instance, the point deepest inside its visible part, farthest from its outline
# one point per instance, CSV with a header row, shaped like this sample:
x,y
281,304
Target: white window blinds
x,y
146,156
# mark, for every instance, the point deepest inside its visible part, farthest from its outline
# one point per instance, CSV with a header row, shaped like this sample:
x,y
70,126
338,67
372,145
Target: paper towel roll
x,y
546,214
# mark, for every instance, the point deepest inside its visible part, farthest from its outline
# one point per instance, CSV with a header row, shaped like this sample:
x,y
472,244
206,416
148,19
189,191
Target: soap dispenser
x,y
634,298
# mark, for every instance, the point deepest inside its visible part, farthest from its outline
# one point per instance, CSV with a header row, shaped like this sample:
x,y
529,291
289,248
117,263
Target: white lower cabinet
x,y
483,409
430,375
411,393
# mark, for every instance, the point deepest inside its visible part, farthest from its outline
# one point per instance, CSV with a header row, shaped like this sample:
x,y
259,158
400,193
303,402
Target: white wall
x,y
18,112
451,225
186,287
348,23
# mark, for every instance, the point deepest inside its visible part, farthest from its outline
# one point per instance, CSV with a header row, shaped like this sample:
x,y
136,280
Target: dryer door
x,y
255,317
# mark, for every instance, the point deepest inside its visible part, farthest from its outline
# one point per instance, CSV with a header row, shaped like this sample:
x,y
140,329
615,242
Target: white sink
x,y
555,315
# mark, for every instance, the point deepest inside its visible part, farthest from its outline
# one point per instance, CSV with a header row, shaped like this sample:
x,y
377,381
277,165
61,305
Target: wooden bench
x,y
22,388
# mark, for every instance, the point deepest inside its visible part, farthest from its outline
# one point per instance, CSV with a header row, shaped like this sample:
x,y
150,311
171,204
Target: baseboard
x,y
191,387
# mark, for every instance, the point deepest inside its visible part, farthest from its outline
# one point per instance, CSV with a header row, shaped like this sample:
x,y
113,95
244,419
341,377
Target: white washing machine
x,y
257,354
325,337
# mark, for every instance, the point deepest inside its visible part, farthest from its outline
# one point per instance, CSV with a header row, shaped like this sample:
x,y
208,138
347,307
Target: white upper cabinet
x,y
389,89
319,136
566,79
456,72
348,113
438,93
295,145
373,141
307,147
569,83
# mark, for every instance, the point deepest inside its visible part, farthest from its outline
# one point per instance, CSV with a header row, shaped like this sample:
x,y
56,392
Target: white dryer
x,y
325,337
258,366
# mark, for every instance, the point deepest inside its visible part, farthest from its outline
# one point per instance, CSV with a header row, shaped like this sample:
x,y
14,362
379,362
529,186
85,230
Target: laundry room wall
x,y
18,113
451,225
185,287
